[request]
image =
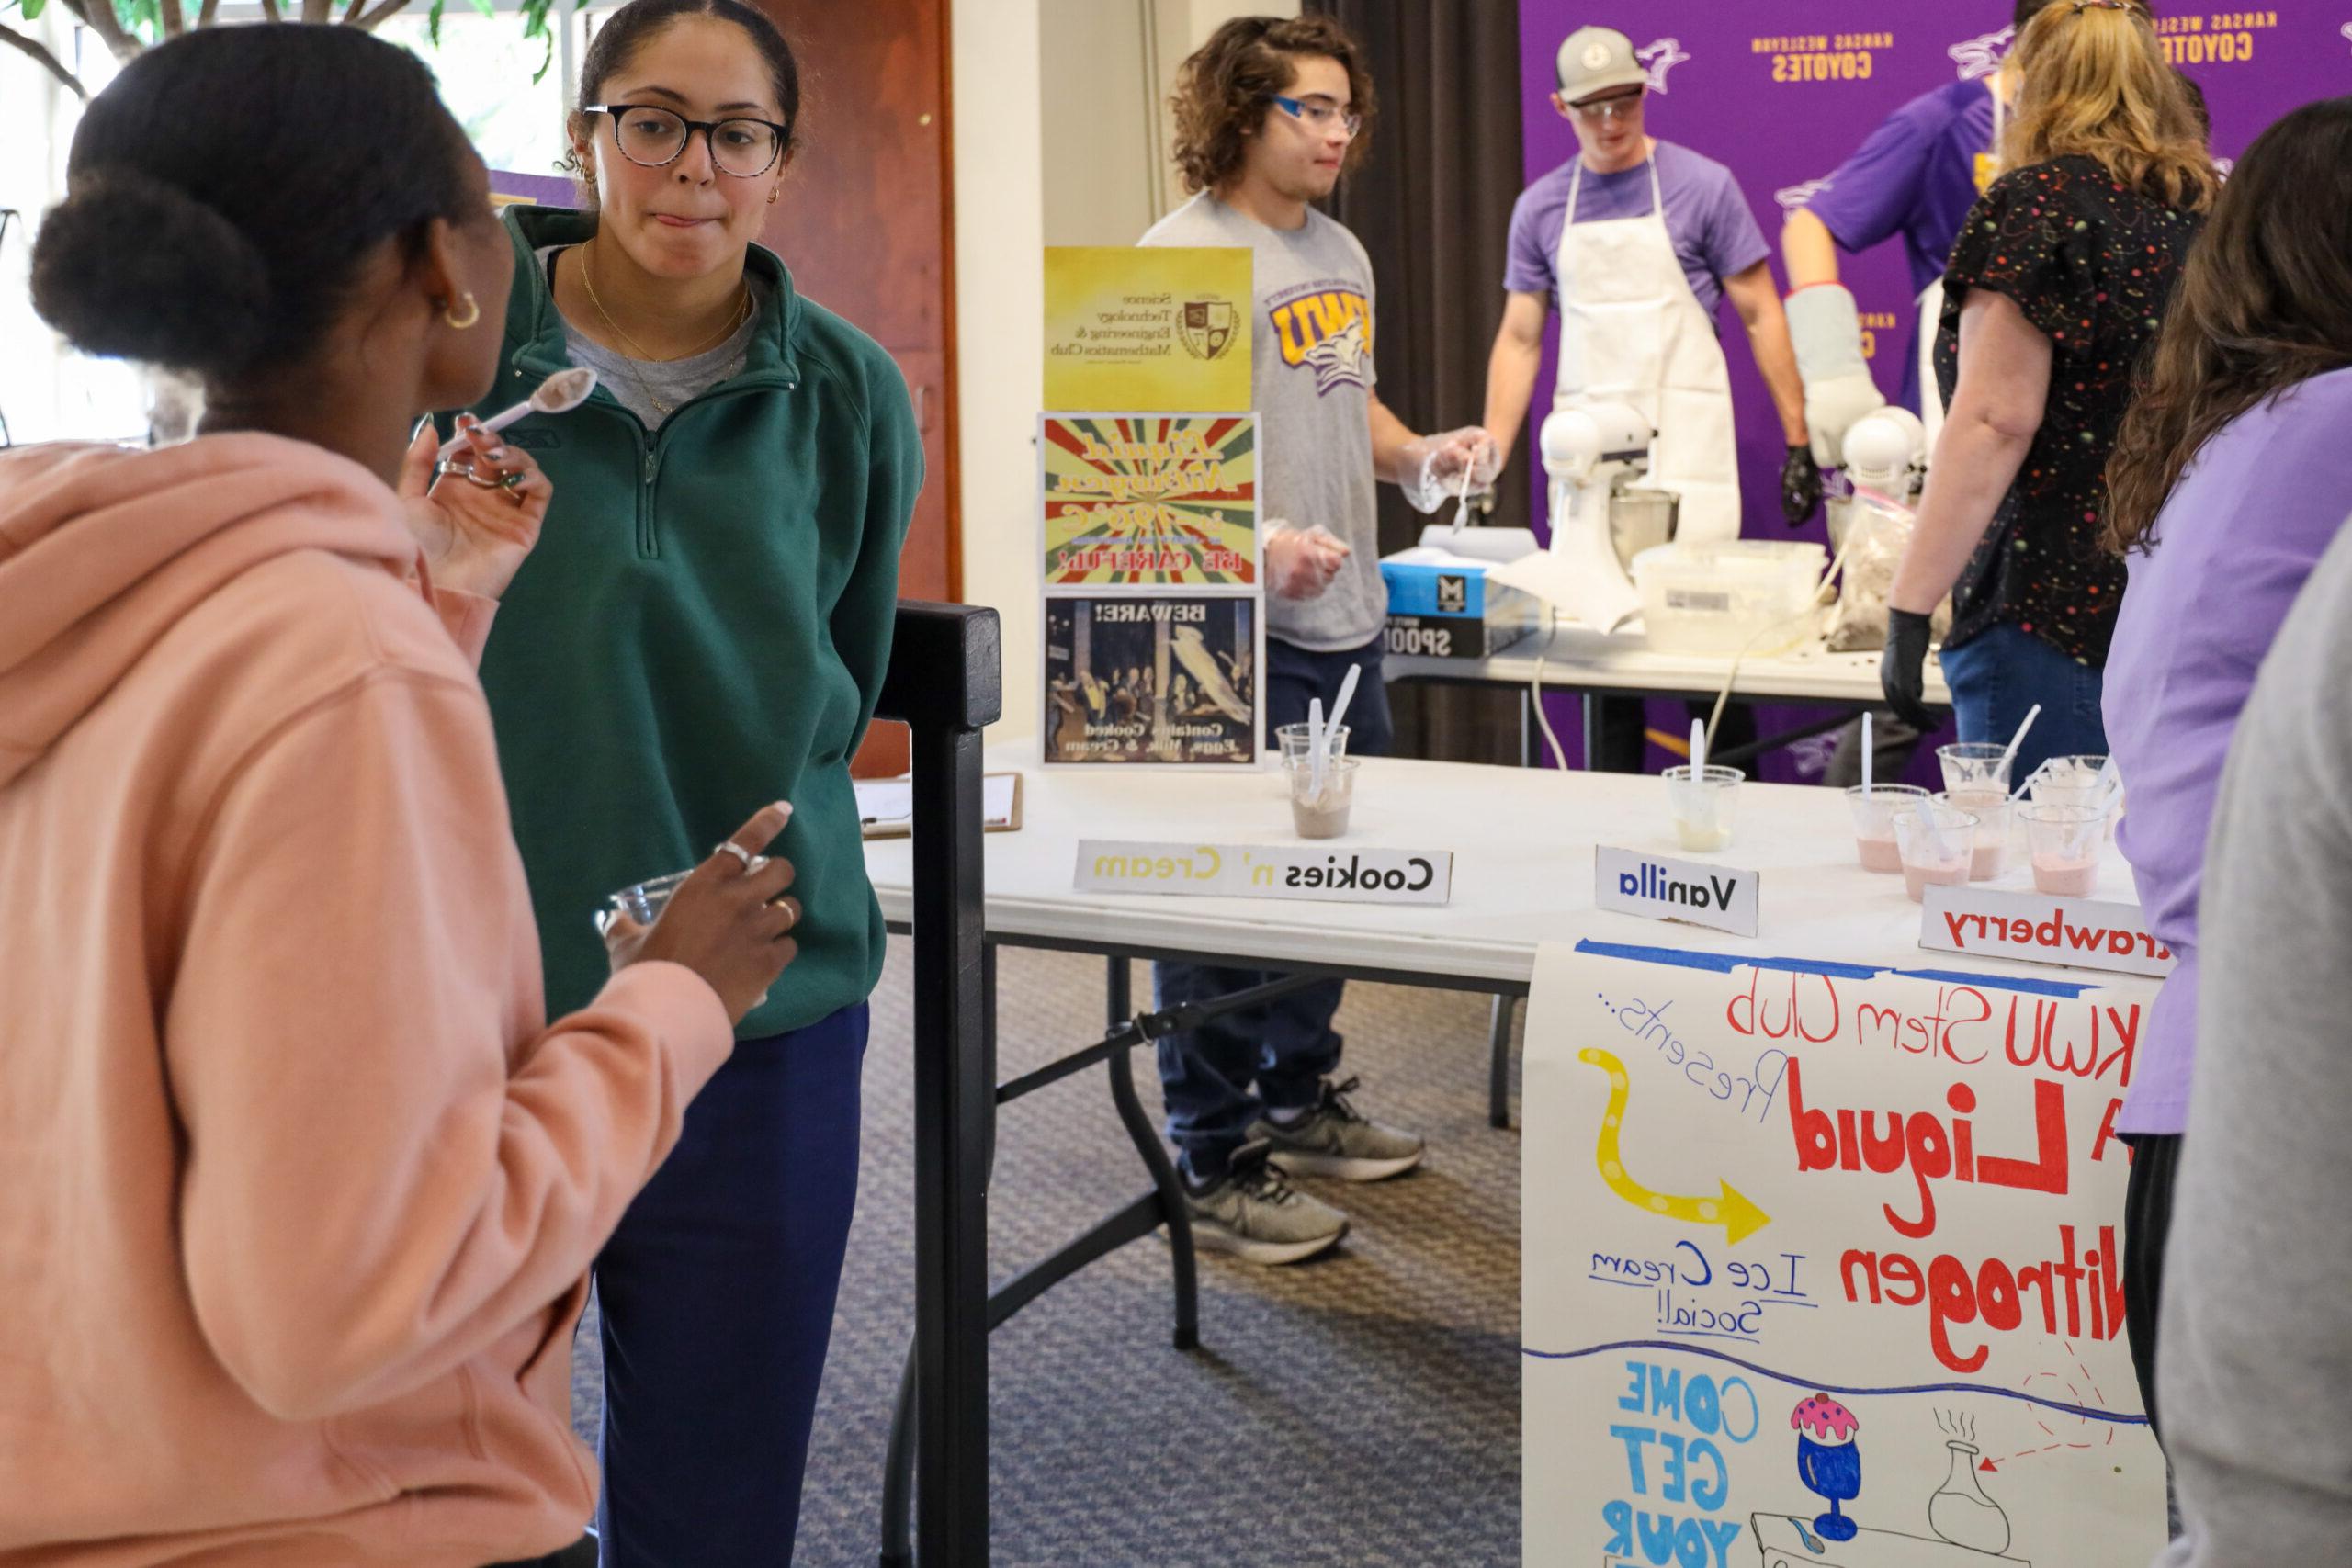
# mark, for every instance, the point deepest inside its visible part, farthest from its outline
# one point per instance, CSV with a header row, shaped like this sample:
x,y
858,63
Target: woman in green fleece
x,y
703,627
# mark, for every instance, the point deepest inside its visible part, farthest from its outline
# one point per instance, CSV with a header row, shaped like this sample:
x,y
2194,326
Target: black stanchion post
x,y
945,683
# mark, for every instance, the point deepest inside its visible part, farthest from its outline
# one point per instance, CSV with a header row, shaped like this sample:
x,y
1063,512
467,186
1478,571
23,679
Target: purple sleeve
x,y
1733,241
1528,269
1873,191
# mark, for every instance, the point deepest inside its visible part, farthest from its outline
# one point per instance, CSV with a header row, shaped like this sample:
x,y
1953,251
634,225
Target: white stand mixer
x,y
1591,451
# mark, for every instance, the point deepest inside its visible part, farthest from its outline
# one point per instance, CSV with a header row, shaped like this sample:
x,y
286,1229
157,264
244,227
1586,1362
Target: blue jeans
x,y
1286,1047
1997,675
717,1301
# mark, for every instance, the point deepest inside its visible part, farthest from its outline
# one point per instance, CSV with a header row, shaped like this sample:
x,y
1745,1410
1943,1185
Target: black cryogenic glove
x,y
1800,485
1902,668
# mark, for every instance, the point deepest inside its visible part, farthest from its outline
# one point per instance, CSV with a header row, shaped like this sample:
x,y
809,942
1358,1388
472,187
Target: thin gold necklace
x,y
637,353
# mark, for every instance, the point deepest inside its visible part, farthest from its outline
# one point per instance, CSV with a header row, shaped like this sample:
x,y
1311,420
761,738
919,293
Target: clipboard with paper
x,y
886,807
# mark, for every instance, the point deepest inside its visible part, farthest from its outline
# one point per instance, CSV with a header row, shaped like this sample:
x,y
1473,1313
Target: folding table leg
x,y
1119,1007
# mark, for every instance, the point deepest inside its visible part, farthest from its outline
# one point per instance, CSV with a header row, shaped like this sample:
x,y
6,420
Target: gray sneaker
x,y
1335,1139
1254,1215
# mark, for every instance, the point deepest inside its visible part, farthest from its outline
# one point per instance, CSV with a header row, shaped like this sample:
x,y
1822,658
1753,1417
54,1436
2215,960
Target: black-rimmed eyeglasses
x,y
653,136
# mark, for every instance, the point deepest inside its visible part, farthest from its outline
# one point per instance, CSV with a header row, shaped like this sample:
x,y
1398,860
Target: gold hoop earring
x,y
773,192
473,313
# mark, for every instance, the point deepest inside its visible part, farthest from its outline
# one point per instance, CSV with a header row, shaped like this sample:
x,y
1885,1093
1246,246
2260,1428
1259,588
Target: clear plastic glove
x,y
1826,329
1434,466
1300,562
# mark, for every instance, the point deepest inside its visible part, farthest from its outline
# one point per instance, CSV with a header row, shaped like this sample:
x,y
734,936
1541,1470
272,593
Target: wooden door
x,y
866,224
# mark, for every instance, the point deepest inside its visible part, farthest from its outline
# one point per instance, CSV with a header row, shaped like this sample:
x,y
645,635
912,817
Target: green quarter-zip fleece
x,y
703,627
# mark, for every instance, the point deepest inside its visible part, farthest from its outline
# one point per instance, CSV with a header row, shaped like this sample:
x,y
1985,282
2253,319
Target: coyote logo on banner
x,y
1980,56
1660,58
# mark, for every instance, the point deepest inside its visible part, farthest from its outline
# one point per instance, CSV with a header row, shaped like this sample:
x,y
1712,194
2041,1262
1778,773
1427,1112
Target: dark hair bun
x,y
131,267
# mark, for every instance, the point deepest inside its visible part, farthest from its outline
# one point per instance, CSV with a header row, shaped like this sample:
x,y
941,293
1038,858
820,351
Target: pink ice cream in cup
x,y
1825,1420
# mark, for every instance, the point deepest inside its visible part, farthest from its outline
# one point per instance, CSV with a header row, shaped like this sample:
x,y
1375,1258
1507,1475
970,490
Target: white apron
x,y
1931,298
1632,331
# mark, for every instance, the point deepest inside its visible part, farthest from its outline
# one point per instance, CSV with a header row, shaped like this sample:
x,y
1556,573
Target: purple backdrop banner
x,y
1782,91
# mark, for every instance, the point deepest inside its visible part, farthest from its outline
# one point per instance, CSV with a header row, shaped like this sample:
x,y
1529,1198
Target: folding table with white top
x,y
1523,844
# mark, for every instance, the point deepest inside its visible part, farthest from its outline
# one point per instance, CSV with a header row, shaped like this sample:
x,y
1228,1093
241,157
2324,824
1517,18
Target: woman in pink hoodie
x,y
298,1185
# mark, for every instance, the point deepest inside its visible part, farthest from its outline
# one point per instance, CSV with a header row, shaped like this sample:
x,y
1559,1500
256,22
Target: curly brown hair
x,y
2264,302
1222,88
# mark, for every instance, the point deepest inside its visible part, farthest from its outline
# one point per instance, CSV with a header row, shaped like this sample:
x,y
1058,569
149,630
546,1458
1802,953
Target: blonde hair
x,y
2093,81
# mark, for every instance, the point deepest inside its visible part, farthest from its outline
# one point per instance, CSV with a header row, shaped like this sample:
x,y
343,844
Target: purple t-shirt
x,y
1916,176
2241,531
1713,233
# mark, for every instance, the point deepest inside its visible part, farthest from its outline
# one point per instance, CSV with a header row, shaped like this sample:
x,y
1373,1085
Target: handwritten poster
x,y
1150,500
1163,328
1822,1267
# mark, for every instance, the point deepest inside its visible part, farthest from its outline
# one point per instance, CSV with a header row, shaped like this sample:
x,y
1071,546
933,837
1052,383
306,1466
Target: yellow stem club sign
x,y
1161,328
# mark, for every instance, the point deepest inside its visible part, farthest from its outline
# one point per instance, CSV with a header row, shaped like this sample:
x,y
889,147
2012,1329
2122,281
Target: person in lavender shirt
x,y
2232,473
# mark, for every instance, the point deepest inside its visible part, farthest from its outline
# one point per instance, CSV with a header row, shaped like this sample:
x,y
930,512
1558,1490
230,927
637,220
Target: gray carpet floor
x,y
1358,1409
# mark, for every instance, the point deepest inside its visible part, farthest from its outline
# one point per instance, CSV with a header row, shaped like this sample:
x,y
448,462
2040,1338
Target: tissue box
x,y
1441,606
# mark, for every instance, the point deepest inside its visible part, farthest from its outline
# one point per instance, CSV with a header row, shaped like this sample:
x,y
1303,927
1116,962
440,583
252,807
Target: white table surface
x,y
1580,658
1523,842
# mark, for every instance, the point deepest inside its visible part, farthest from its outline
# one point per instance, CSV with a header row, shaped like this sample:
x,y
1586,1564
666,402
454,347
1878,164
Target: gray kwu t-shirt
x,y
1311,344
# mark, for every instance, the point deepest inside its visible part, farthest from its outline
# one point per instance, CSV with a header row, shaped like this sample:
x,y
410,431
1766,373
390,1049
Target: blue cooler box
x,y
1441,606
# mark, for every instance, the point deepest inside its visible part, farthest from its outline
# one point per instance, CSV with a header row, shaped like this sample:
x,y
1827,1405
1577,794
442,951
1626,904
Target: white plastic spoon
x,y
559,393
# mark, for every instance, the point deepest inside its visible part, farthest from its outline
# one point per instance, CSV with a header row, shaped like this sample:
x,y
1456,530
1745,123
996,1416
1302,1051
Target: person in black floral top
x,y
2058,280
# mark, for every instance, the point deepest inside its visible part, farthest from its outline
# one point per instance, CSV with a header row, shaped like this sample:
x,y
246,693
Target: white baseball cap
x,y
1593,59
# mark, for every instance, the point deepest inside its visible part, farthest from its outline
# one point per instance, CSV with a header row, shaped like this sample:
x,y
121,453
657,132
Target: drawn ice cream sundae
x,y
1829,1463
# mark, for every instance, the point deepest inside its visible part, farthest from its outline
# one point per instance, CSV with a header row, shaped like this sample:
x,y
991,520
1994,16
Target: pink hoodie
x,y
298,1187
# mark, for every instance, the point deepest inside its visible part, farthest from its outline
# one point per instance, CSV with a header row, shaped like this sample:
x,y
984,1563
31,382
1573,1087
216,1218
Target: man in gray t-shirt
x,y
1249,1094
1312,378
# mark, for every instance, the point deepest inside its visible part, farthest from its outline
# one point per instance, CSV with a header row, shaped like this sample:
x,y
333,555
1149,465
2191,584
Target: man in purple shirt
x,y
1915,175
1716,243
1635,243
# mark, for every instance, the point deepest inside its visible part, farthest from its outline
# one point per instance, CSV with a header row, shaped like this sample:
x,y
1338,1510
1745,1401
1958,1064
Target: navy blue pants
x,y
1282,1049
717,1295
1995,678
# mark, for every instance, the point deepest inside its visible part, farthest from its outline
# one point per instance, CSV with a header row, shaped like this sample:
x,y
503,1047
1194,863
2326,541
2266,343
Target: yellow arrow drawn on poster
x,y
1740,1218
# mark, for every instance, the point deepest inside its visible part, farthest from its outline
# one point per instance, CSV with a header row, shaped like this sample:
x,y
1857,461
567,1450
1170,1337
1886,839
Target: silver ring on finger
x,y
752,863
466,474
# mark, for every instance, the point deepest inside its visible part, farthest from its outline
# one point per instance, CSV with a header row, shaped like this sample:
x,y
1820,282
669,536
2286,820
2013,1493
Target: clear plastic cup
x,y
2068,781
643,902
1874,812
2066,842
1974,765
1702,805
1324,815
1936,841
1990,855
1292,739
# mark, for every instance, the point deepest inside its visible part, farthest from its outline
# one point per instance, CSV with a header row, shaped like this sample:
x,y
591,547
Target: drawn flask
x,y
1960,1510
